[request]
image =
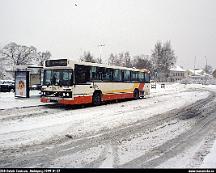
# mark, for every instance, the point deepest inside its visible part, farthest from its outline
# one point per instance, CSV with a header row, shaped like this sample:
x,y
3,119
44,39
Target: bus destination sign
x,y
59,62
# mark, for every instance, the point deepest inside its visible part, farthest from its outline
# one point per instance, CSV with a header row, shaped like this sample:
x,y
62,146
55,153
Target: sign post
x,y
22,84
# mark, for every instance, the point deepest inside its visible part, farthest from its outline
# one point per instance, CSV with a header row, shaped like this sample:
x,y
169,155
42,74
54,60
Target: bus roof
x,y
102,65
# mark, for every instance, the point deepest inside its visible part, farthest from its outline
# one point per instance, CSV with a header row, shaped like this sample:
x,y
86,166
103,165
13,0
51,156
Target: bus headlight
x,y
64,94
67,94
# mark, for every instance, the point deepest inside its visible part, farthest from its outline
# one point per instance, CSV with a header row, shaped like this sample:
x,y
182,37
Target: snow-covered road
x,y
174,127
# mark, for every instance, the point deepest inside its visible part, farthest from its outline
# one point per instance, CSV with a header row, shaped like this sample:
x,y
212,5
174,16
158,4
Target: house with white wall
x,y
177,73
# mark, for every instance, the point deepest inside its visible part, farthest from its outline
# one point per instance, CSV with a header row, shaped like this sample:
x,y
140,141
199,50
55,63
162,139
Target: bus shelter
x,y
25,78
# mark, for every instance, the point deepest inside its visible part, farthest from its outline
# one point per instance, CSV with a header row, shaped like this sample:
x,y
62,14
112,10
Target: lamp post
x,y
194,64
100,48
206,65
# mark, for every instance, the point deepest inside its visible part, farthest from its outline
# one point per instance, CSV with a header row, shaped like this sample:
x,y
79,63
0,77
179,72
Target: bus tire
x,y
136,94
143,96
96,99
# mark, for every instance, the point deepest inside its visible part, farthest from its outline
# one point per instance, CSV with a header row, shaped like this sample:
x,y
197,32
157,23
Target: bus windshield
x,y
147,78
58,77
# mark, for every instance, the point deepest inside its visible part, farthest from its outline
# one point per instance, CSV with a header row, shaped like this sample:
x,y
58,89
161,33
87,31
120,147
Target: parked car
x,y
36,87
7,85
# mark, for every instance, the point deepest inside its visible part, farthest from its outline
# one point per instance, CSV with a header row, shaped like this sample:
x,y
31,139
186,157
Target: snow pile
x,y
204,80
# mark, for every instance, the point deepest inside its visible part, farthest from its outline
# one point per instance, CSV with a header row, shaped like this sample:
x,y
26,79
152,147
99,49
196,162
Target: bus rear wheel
x,y
96,100
136,94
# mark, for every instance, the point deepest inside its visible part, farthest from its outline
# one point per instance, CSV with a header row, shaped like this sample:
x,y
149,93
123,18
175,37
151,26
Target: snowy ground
x,y
151,132
8,100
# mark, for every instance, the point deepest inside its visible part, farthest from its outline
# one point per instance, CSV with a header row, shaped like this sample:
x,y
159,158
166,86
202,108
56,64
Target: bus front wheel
x,y
136,94
96,100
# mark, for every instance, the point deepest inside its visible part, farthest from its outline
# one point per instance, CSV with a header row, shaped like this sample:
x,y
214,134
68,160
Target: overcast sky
x,y
67,30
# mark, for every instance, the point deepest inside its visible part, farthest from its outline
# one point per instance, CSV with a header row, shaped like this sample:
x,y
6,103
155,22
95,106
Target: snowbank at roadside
x,y
8,100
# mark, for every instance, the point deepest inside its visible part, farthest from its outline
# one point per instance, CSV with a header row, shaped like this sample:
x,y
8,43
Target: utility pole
x,y
100,47
194,64
206,64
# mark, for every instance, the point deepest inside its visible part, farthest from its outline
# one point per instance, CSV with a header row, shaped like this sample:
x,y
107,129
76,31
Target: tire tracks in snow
x,y
175,146
43,110
67,146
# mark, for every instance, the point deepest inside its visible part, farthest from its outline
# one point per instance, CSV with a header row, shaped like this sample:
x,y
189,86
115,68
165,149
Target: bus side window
x,y
127,75
134,76
117,75
93,73
82,74
141,77
122,75
107,74
99,72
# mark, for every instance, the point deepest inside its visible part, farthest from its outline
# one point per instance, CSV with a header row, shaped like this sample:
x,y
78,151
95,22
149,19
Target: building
x,y
177,73
196,72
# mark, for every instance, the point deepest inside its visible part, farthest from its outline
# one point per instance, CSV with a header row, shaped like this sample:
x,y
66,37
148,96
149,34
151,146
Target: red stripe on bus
x,y
77,100
117,96
44,100
88,99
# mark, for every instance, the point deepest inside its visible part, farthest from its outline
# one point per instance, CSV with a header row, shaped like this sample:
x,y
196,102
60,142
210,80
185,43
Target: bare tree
x,y
127,60
111,60
42,56
87,57
143,62
116,59
163,58
18,54
121,59
214,73
2,69
99,61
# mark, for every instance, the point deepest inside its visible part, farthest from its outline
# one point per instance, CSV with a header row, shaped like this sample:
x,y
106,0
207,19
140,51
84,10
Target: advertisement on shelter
x,y
21,84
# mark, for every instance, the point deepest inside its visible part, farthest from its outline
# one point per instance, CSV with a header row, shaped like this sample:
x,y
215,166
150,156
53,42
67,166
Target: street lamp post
x,y
194,64
206,64
100,48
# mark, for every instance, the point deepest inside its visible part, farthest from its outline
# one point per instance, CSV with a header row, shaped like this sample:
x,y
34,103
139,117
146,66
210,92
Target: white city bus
x,y
72,83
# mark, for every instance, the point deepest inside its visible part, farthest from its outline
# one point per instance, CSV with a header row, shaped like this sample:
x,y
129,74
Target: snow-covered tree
x,y
18,54
127,60
13,54
143,62
42,56
99,60
87,57
208,69
111,59
214,73
2,69
121,59
163,58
